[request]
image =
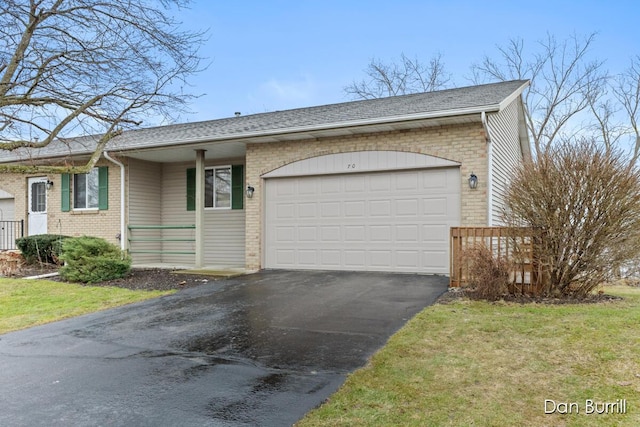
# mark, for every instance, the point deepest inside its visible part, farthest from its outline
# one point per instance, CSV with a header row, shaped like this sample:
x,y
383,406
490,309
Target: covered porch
x,y
185,207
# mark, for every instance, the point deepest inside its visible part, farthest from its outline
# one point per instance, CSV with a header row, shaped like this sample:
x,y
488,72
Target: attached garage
x,y
362,211
7,208
8,232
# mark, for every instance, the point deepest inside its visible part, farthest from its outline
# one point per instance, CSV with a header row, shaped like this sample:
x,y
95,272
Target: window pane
x,y
92,188
38,197
223,187
80,191
208,188
85,190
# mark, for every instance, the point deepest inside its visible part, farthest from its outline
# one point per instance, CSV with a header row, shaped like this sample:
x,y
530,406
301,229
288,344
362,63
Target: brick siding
x,y
461,143
98,223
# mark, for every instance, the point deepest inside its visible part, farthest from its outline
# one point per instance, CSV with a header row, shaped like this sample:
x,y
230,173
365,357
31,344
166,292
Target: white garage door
x,y
8,232
7,207
376,221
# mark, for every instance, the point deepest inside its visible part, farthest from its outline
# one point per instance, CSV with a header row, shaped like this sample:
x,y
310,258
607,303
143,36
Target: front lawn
x,y
495,364
25,303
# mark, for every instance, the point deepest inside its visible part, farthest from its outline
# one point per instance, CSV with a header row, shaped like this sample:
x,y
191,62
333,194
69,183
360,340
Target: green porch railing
x,y
155,239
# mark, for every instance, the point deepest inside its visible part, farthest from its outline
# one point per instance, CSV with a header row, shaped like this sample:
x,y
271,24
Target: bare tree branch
x,y
70,67
407,76
626,90
563,80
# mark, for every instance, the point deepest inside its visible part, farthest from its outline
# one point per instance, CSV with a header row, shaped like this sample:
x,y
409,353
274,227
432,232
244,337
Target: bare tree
x,y
565,83
78,67
400,78
564,80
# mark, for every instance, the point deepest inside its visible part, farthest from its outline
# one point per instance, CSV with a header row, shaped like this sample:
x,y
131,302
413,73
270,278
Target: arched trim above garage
x,y
359,161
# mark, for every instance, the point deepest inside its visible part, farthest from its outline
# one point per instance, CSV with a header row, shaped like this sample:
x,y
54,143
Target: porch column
x,y
200,208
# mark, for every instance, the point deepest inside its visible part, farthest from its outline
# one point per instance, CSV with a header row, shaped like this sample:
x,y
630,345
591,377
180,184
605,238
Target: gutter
x,y
123,231
468,111
485,124
274,133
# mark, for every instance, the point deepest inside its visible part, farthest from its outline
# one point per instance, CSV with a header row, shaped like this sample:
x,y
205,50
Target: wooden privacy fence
x,y
516,245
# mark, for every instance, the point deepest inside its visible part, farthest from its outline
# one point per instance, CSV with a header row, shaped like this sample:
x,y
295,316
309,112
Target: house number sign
x,y
351,165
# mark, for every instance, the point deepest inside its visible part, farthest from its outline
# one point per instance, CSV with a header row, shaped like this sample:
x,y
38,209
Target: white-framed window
x,y
217,187
86,190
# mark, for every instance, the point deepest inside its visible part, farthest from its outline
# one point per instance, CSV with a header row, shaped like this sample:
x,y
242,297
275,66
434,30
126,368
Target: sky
x,y
272,55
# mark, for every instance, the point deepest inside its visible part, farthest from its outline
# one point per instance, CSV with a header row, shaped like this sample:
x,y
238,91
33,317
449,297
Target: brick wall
x,y
462,143
103,223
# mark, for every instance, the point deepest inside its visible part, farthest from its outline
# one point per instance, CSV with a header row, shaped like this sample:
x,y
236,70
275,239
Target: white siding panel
x,y
506,155
224,237
174,212
145,200
224,228
358,162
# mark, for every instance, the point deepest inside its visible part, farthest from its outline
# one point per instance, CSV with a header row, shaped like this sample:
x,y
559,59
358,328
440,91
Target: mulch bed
x,y
454,294
137,279
157,279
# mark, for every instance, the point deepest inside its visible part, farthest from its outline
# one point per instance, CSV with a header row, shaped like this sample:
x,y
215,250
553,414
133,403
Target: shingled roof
x,y
443,103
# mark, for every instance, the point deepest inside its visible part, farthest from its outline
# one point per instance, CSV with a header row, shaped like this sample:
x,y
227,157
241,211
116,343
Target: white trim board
x,y
360,161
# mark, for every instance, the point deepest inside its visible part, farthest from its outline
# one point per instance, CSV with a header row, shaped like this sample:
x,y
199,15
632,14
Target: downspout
x,y
123,231
485,123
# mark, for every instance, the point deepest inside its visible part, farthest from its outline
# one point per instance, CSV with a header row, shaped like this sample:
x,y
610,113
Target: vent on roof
x,y
237,113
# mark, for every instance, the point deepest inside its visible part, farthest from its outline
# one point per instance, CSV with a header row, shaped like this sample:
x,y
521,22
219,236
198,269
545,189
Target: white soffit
x,y
360,161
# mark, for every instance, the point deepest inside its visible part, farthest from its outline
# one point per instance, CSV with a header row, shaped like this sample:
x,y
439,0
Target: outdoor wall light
x,y
49,184
473,181
250,191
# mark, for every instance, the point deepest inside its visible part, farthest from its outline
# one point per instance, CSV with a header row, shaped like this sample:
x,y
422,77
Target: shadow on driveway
x,y
261,349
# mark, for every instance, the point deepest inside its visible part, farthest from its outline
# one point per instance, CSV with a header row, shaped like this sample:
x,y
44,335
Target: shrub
x,y
43,248
585,202
488,274
92,260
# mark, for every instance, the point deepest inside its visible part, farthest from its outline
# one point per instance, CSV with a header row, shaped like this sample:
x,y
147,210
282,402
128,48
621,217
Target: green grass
x,y
494,364
25,303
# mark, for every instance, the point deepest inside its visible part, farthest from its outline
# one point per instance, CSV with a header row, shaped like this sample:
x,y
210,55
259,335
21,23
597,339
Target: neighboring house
x,y
9,230
365,185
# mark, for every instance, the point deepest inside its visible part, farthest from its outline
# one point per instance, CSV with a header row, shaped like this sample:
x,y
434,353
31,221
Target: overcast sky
x,y
276,55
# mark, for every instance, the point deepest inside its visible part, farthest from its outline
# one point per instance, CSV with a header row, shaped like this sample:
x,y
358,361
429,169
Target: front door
x,y
37,206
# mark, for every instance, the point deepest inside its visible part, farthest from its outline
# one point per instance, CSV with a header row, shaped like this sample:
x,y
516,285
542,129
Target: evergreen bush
x,y
92,260
43,248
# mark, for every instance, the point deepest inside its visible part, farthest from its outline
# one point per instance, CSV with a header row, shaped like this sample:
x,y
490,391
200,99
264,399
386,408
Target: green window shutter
x,y
66,193
237,186
103,188
191,189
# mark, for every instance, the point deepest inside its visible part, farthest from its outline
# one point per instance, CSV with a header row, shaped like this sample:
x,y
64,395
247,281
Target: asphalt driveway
x,y
261,349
